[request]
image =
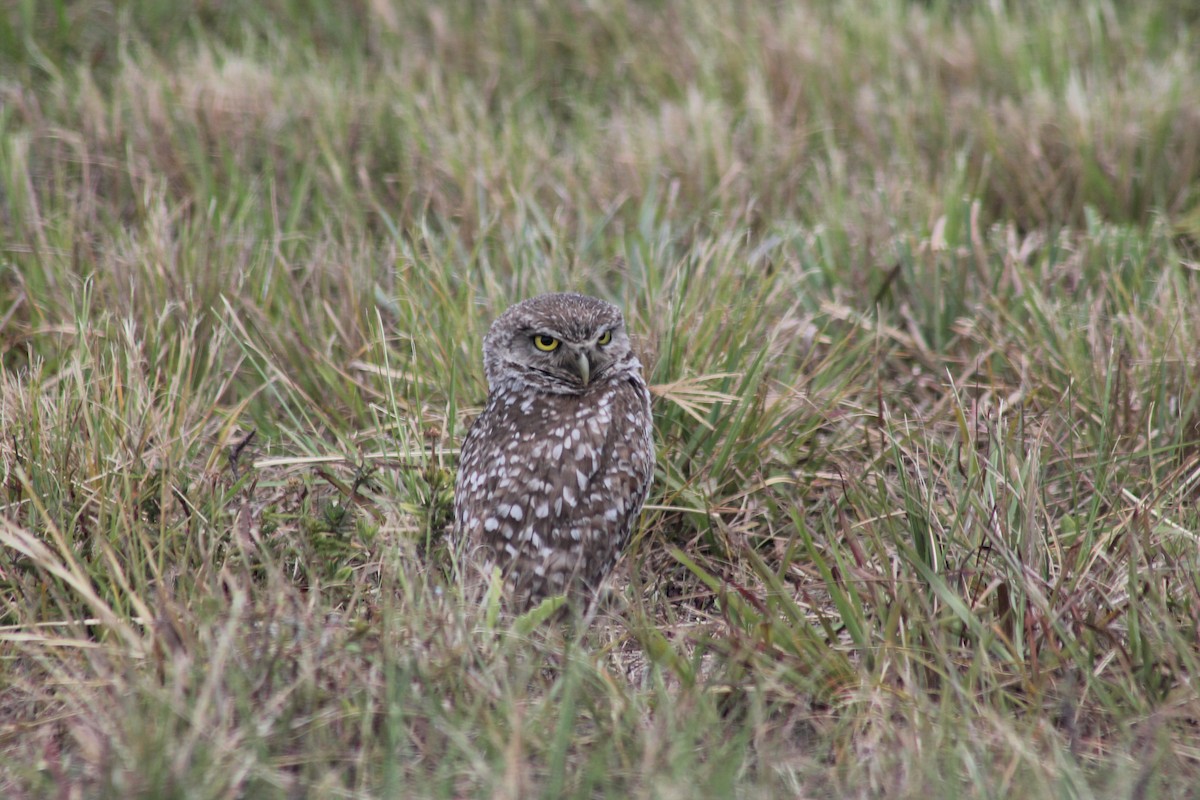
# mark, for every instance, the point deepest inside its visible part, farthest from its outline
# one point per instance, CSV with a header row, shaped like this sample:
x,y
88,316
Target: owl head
x,y
562,343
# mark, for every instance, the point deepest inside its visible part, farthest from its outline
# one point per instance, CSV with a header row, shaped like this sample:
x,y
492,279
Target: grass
x,y
916,286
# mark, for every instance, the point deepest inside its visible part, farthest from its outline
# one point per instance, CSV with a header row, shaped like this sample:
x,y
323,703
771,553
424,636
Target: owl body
x,y
554,471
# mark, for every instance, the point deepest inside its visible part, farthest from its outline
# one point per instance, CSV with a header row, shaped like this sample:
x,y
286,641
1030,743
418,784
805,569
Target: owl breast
x,y
549,485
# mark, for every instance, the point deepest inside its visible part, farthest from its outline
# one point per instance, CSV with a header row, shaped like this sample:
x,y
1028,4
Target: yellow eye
x,y
605,338
545,343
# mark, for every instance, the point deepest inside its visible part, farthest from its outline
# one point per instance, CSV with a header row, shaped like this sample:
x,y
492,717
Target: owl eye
x,y
545,343
605,338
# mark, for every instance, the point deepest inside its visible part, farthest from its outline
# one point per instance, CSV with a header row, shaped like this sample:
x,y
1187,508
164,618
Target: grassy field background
x,y
917,287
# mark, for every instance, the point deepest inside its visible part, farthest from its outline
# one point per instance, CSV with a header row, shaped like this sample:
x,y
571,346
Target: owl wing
x,y
549,485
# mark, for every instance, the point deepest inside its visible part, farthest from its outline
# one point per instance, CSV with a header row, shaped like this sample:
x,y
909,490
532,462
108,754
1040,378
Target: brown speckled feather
x,y
555,469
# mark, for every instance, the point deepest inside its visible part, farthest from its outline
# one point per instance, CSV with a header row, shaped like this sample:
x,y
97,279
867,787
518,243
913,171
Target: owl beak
x,y
585,368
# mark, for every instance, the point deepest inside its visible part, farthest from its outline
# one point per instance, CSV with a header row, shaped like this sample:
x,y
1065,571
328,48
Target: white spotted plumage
x,y
554,471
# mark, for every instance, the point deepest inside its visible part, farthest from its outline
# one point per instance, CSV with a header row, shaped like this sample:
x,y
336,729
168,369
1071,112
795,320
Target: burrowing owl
x,y
555,470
